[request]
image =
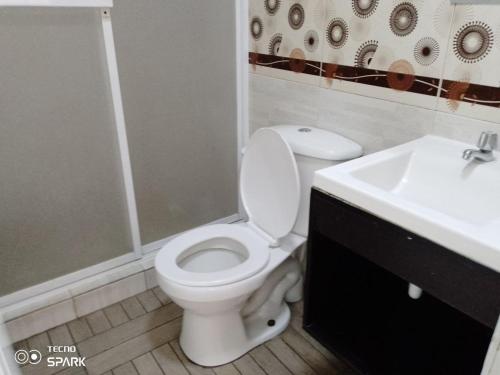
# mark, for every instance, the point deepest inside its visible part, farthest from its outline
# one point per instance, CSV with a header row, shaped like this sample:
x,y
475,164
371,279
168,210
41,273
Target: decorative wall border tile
x,y
455,92
285,63
391,80
415,47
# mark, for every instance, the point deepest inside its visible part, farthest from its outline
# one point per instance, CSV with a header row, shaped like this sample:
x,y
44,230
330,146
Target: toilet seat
x,y
257,251
270,192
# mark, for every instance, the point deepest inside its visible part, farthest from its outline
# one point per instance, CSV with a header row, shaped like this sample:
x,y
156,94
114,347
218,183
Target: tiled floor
x,y
140,336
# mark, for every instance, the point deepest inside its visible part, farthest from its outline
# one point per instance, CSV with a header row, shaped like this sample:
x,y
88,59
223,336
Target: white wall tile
x,y
105,278
374,123
36,303
41,320
461,128
150,276
109,294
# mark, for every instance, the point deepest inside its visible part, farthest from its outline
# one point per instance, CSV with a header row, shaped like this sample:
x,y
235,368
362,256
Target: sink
x,y
426,187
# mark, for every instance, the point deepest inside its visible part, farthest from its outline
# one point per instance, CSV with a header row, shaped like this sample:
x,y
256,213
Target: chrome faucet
x,y
486,144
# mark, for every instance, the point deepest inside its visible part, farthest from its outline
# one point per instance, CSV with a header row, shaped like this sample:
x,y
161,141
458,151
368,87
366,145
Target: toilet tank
x,y
314,149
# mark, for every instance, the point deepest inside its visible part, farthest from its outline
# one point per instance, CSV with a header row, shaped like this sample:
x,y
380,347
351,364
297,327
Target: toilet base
x,y
210,340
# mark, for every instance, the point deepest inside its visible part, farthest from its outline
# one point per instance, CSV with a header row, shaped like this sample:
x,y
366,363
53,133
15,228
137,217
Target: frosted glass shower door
x,y
62,204
178,73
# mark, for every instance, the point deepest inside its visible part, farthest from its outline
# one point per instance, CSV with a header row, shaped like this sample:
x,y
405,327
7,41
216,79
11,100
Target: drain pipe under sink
x,y
414,291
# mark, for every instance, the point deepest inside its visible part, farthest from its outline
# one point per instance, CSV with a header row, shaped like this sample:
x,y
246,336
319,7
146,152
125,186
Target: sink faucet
x,y
486,144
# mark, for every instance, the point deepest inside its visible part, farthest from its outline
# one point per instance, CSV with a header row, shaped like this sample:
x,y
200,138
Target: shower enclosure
x,y
110,145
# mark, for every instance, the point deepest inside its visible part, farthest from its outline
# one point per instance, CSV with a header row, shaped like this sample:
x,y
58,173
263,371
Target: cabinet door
x,y
362,312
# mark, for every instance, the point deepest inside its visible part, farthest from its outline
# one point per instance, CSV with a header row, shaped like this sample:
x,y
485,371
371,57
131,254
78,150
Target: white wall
x,y
376,124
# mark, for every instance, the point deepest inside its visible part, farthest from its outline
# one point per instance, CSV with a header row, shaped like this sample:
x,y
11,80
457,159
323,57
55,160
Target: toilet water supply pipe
x,y
285,283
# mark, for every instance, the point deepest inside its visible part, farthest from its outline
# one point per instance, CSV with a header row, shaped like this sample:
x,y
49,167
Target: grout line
x,y
177,356
234,366
446,56
126,312
130,360
106,317
140,303
257,362
71,335
156,297
90,325
278,358
128,321
316,350
156,361
133,364
131,338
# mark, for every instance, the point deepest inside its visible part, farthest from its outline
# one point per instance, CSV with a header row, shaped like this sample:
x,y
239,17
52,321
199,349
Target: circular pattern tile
x,y
426,51
311,40
296,16
473,41
275,44
401,75
403,19
337,32
365,53
272,6
256,28
297,61
364,8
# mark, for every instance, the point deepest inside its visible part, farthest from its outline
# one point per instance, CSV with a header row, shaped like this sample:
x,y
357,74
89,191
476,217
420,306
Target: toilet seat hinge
x,y
273,242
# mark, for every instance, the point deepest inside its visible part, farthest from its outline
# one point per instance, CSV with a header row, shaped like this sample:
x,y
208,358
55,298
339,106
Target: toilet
x,y
234,280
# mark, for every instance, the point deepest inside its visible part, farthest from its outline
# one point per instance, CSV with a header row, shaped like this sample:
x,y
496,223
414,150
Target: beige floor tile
x,y
160,294
21,345
308,353
148,345
40,342
149,301
125,369
60,336
133,308
98,322
268,361
168,361
116,314
42,368
193,368
74,371
296,323
228,369
133,348
128,330
246,365
146,365
288,357
79,329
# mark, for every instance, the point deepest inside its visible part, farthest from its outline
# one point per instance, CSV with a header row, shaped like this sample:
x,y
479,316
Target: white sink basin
x,y
426,187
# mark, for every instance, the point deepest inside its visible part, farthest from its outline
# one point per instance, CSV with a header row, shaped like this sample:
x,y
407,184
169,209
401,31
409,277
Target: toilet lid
x,y
269,183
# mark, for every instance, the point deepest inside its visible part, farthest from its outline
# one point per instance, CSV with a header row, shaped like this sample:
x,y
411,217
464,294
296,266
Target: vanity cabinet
x,y
356,296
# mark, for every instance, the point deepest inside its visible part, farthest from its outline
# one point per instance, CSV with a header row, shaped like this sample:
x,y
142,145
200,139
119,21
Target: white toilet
x,y
233,280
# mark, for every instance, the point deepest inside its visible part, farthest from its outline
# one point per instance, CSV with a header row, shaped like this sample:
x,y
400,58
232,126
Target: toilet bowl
x,y
233,280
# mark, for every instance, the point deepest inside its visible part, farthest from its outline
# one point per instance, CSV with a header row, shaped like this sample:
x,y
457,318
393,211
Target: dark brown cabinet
x,y
357,303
